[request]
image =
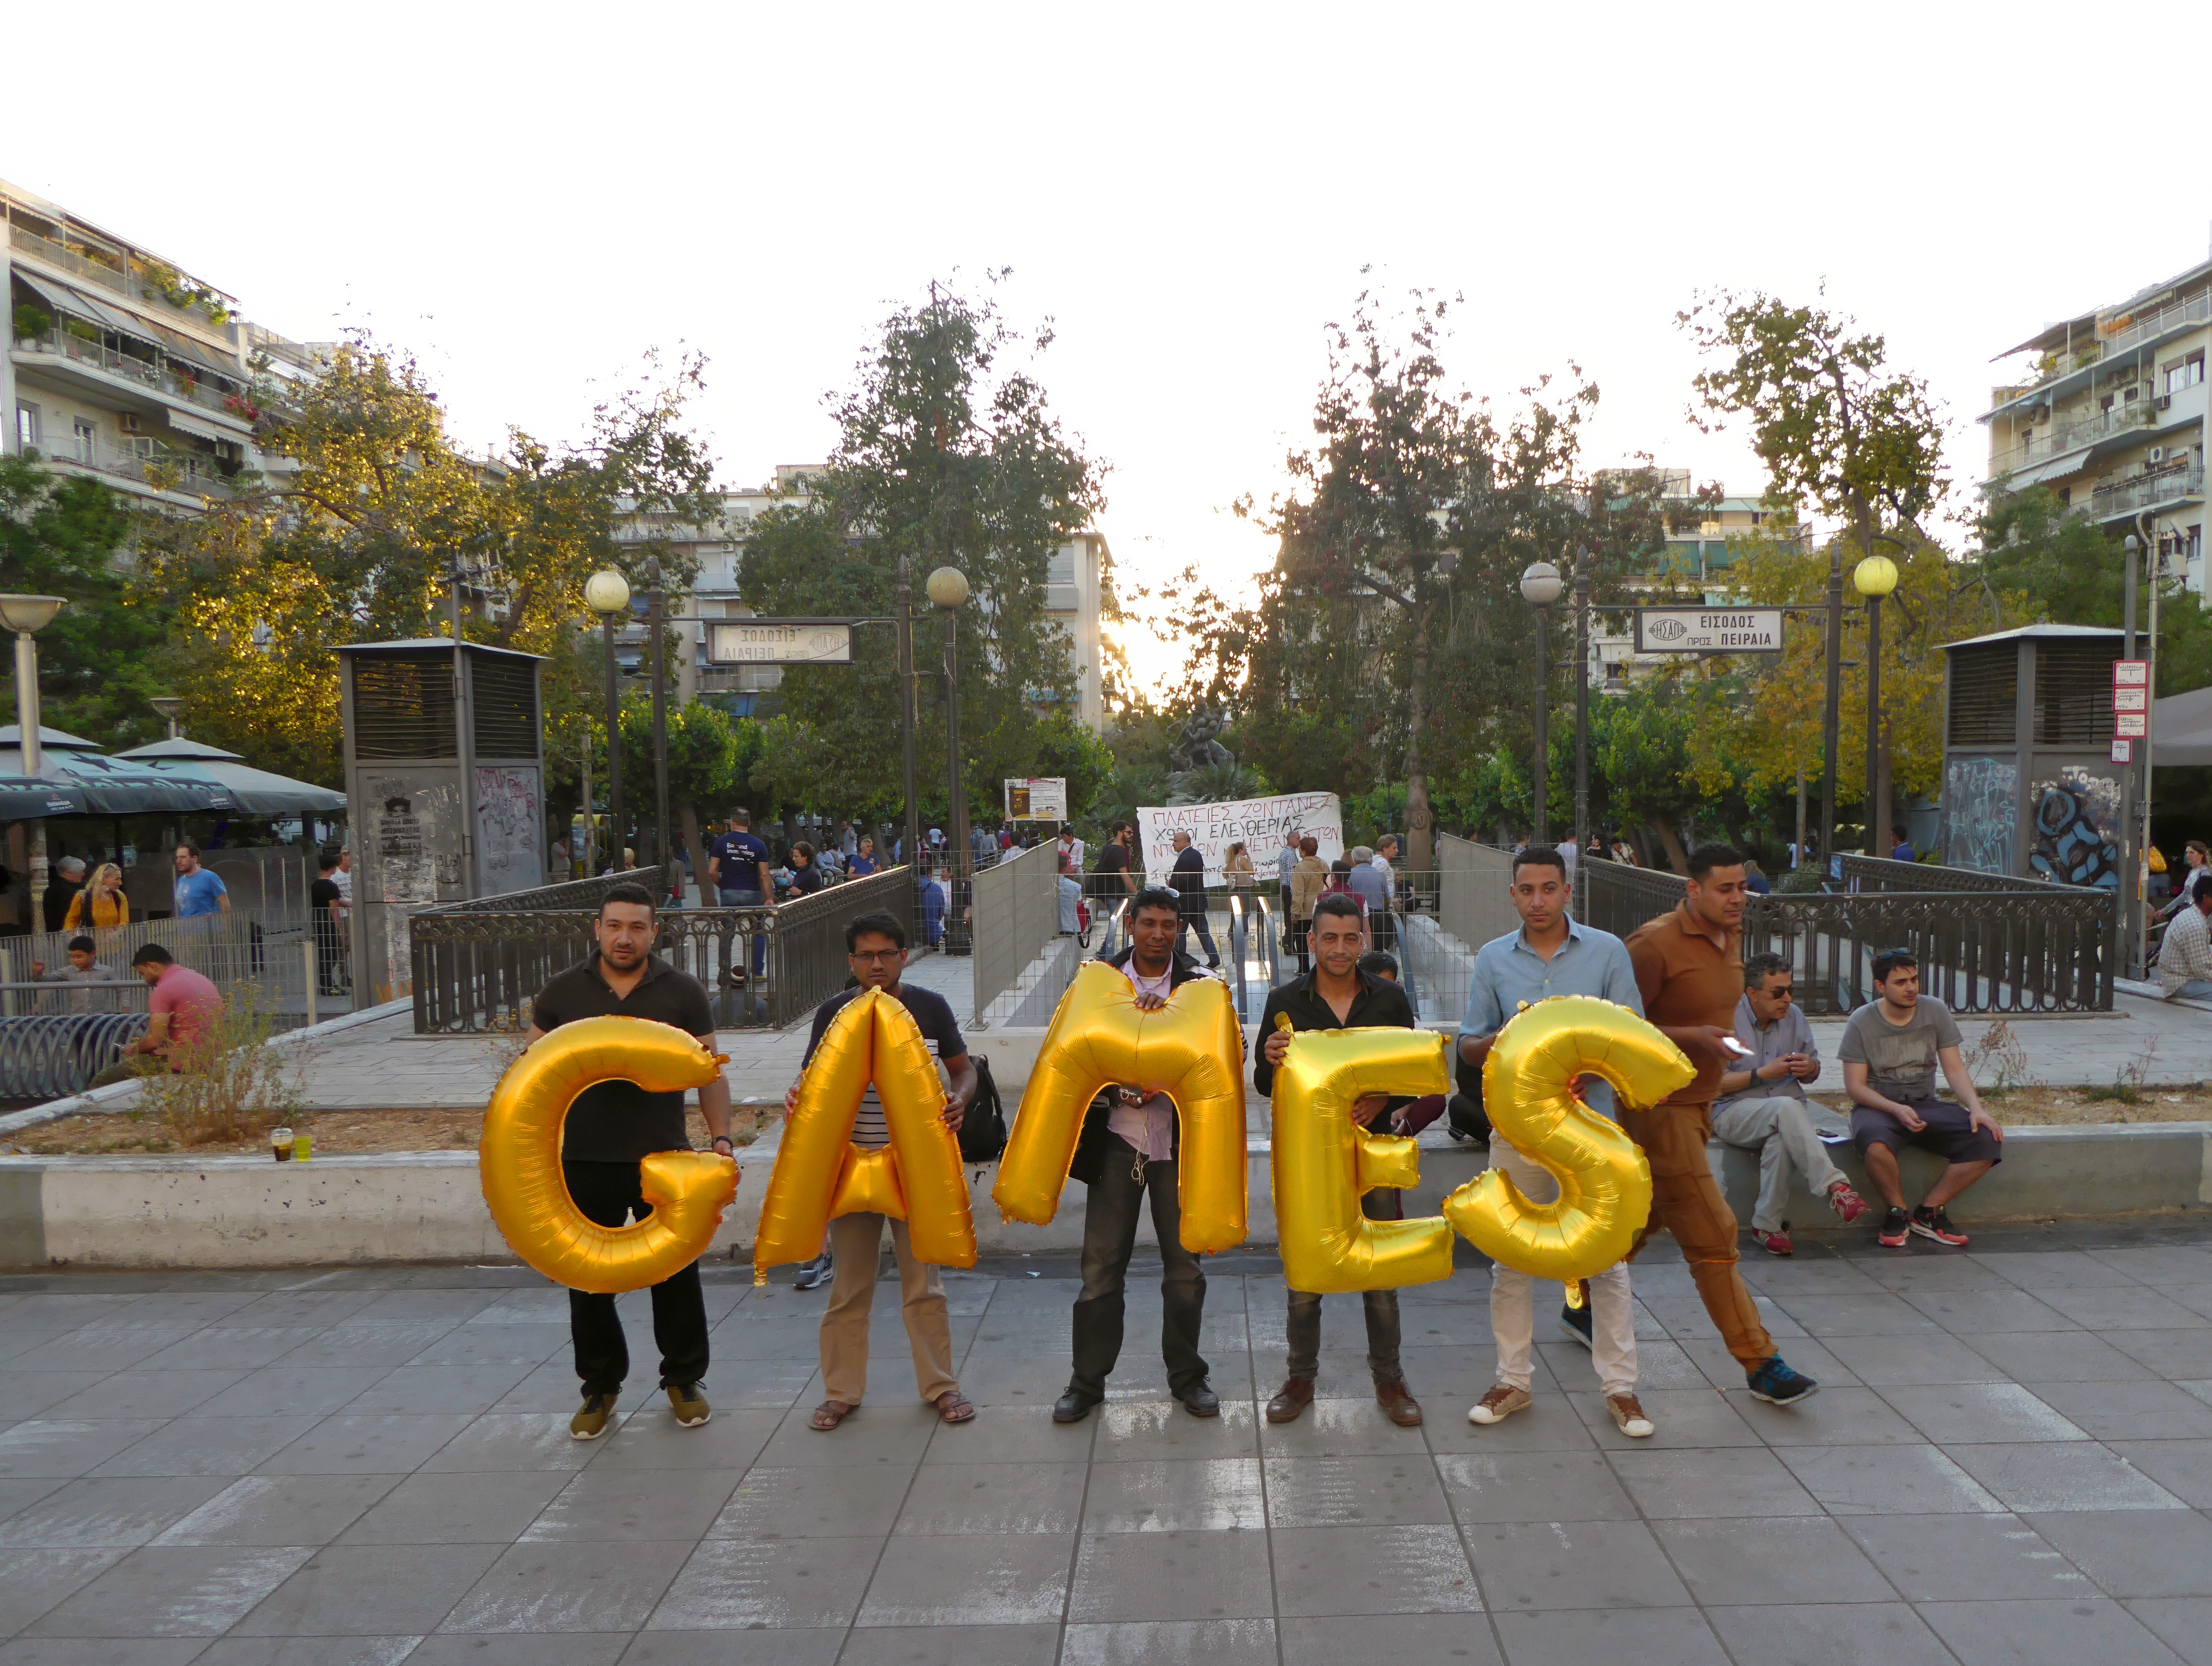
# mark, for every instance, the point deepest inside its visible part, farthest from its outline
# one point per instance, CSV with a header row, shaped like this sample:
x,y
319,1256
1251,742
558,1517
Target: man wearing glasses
x,y
875,948
1762,1105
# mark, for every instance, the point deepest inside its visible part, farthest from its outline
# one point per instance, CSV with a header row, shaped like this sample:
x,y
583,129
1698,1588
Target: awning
x,y
256,792
2181,729
108,786
174,342
205,429
23,799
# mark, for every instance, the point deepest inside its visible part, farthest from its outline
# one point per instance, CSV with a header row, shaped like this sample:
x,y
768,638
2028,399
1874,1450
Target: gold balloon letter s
x,y
519,1159
1324,1162
820,1171
1604,1182
1190,1049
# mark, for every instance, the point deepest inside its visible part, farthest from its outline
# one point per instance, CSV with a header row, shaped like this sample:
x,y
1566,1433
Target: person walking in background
x,y
737,870
101,905
1552,954
1595,850
1188,879
1625,853
1071,899
198,891
1237,872
327,911
1286,862
1902,850
1689,970
1762,1105
863,862
1308,881
608,1132
63,891
1371,886
1114,881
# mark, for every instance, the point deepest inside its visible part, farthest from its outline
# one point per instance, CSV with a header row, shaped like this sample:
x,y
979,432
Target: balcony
x,y
2080,435
161,378
158,469
2147,491
132,283
2135,333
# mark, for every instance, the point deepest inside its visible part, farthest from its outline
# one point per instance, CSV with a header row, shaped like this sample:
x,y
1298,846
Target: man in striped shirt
x,y
2184,957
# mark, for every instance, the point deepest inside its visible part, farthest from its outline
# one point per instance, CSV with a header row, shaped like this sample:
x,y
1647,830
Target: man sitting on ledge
x,y
184,1006
2185,958
1890,1048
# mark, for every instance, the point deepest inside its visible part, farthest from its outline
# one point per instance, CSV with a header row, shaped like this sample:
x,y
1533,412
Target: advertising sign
x,y
1037,798
2131,725
765,642
1709,630
1260,824
2126,699
2131,673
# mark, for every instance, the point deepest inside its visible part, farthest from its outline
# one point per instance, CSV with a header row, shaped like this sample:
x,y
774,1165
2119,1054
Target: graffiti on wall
x,y
2076,836
1980,806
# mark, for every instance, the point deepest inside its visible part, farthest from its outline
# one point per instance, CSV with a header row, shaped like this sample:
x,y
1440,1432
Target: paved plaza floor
x,y
2008,1461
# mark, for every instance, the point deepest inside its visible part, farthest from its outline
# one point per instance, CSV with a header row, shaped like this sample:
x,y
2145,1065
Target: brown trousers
x,y
857,1241
1686,1200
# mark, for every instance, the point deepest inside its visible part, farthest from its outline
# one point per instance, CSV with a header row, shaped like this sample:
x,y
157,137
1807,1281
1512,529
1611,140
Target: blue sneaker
x,y
1575,1321
1778,1385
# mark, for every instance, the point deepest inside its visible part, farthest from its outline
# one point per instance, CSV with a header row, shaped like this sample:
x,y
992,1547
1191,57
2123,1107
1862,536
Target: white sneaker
x,y
1628,1416
1500,1403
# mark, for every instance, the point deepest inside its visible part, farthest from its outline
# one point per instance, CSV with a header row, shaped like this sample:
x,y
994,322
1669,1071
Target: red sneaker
x,y
1935,1224
1775,1243
1896,1228
1848,1204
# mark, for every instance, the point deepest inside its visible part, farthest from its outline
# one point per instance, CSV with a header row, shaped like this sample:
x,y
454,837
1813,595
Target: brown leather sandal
x,y
829,1414
954,1406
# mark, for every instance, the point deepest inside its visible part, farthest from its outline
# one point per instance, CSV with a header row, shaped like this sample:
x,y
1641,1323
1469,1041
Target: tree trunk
x,y
697,847
1420,855
1677,857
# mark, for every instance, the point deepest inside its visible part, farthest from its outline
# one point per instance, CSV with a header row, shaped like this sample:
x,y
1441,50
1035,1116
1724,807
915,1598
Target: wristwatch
x,y
723,1140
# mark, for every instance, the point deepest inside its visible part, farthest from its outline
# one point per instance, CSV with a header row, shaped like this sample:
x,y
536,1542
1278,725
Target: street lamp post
x,y
1831,741
1875,578
1582,700
947,590
606,594
27,616
2129,921
168,706
911,845
1540,586
656,623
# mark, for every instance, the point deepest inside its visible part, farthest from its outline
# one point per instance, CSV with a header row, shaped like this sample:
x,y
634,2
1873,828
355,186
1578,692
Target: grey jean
x,y
1109,1233
1302,1332
1785,1133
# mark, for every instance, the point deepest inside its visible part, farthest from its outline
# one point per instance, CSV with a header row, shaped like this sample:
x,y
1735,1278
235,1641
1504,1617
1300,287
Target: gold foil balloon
x,y
1191,1049
1605,1181
820,1173
519,1159
1324,1162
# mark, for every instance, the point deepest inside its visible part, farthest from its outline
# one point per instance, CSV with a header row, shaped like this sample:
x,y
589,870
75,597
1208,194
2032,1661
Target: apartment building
x,y
1075,580
2111,415
121,365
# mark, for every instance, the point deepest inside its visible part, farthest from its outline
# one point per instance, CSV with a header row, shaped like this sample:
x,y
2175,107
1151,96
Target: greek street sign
x,y
779,642
1709,630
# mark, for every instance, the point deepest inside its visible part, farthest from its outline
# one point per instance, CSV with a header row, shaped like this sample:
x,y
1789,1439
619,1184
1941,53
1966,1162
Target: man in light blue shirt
x,y
198,891
1551,955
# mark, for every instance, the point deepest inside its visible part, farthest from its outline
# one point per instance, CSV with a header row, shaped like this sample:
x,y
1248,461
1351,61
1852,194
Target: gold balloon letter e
x,y
520,1158
1324,1162
1190,1049
1604,1182
820,1172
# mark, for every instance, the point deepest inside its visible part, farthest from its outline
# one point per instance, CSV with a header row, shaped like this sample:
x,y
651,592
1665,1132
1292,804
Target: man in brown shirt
x,y
1689,970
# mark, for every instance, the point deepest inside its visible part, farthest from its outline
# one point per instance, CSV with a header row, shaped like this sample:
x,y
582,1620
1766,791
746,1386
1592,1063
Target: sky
x,y
531,198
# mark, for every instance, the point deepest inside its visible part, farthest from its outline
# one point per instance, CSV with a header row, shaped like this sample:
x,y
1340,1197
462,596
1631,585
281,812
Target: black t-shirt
x,y
58,893
1113,859
321,896
806,880
620,1122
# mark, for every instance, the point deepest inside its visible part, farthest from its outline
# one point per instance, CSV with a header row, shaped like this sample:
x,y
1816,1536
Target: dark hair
x,y
181,844
1900,830
1337,902
1707,857
627,891
1759,967
1889,960
153,954
873,925
1340,869
82,946
327,861
1119,828
1540,855
1378,964
742,817
1154,897
802,848
1309,846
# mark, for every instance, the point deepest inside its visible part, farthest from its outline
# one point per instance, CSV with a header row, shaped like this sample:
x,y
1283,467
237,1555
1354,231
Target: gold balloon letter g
x,y
1191,1050
520,1158
1604,1183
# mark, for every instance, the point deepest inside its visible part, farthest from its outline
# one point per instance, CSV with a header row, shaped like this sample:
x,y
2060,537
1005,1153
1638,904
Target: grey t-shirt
x,y
1899,1058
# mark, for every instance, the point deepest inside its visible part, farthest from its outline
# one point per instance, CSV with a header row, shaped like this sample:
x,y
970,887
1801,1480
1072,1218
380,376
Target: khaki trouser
x,y
1686,1200
857,1241
1512,1297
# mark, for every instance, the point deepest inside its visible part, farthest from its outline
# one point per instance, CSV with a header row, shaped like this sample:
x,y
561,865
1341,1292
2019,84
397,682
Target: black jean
x,y
1109,1232
1304,1331
608,1193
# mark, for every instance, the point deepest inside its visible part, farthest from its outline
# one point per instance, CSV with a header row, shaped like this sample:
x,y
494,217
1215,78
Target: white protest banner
x,y
1260,824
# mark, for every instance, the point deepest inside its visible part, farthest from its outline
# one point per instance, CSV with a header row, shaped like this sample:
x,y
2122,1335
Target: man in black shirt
x,y
1188,877
609,1129
1112,880
67,879
326,904
1336,995
875,948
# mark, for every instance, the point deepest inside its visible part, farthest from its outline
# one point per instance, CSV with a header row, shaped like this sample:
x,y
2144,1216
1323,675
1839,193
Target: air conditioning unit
x,y
127,421
2166,402
2158,453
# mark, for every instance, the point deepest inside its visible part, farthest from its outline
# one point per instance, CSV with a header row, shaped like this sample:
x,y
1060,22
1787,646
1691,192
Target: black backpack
x,y
983,1130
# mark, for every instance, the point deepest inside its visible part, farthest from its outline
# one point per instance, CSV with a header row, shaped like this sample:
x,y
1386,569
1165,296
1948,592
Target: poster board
x,y
1259,823
1036,798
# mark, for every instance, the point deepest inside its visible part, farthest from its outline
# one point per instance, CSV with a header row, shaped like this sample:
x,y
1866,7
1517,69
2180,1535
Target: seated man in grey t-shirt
x,y
1892,1047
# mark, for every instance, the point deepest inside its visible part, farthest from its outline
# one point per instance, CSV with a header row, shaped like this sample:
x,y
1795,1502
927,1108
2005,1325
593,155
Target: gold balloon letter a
x,y
520,1158
820,1172
1324,1162
1604,1183
1191,1050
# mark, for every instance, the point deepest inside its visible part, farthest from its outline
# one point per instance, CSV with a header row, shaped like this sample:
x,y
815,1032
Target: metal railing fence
x,y
55,1054
1016,920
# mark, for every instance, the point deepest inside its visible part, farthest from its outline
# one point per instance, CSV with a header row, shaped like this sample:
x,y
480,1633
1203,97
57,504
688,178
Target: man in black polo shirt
x,y
1336,995
610,1128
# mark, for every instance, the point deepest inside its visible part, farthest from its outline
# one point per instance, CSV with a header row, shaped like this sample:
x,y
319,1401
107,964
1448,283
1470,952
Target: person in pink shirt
x,y
183,1004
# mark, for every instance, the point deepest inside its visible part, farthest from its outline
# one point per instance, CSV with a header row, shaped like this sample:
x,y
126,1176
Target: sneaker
x,y
814,1274
689,1405
591,1422
1575,1321
1778,1385
1848,1204
1500,1403
1896,1227
1628,1416
1775,1243
1935,1224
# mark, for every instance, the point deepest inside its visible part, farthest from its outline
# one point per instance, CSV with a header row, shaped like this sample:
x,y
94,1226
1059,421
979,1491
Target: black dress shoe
x,y
1074,1407
1200,1400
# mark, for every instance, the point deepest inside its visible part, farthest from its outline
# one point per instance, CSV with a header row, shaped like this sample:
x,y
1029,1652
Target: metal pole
x,y
656,606
910,845
1830,740
26,703
590,868
2129,922
955,831
1582,700
1543,721
1800,862
2150,653
1873,809
618,829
